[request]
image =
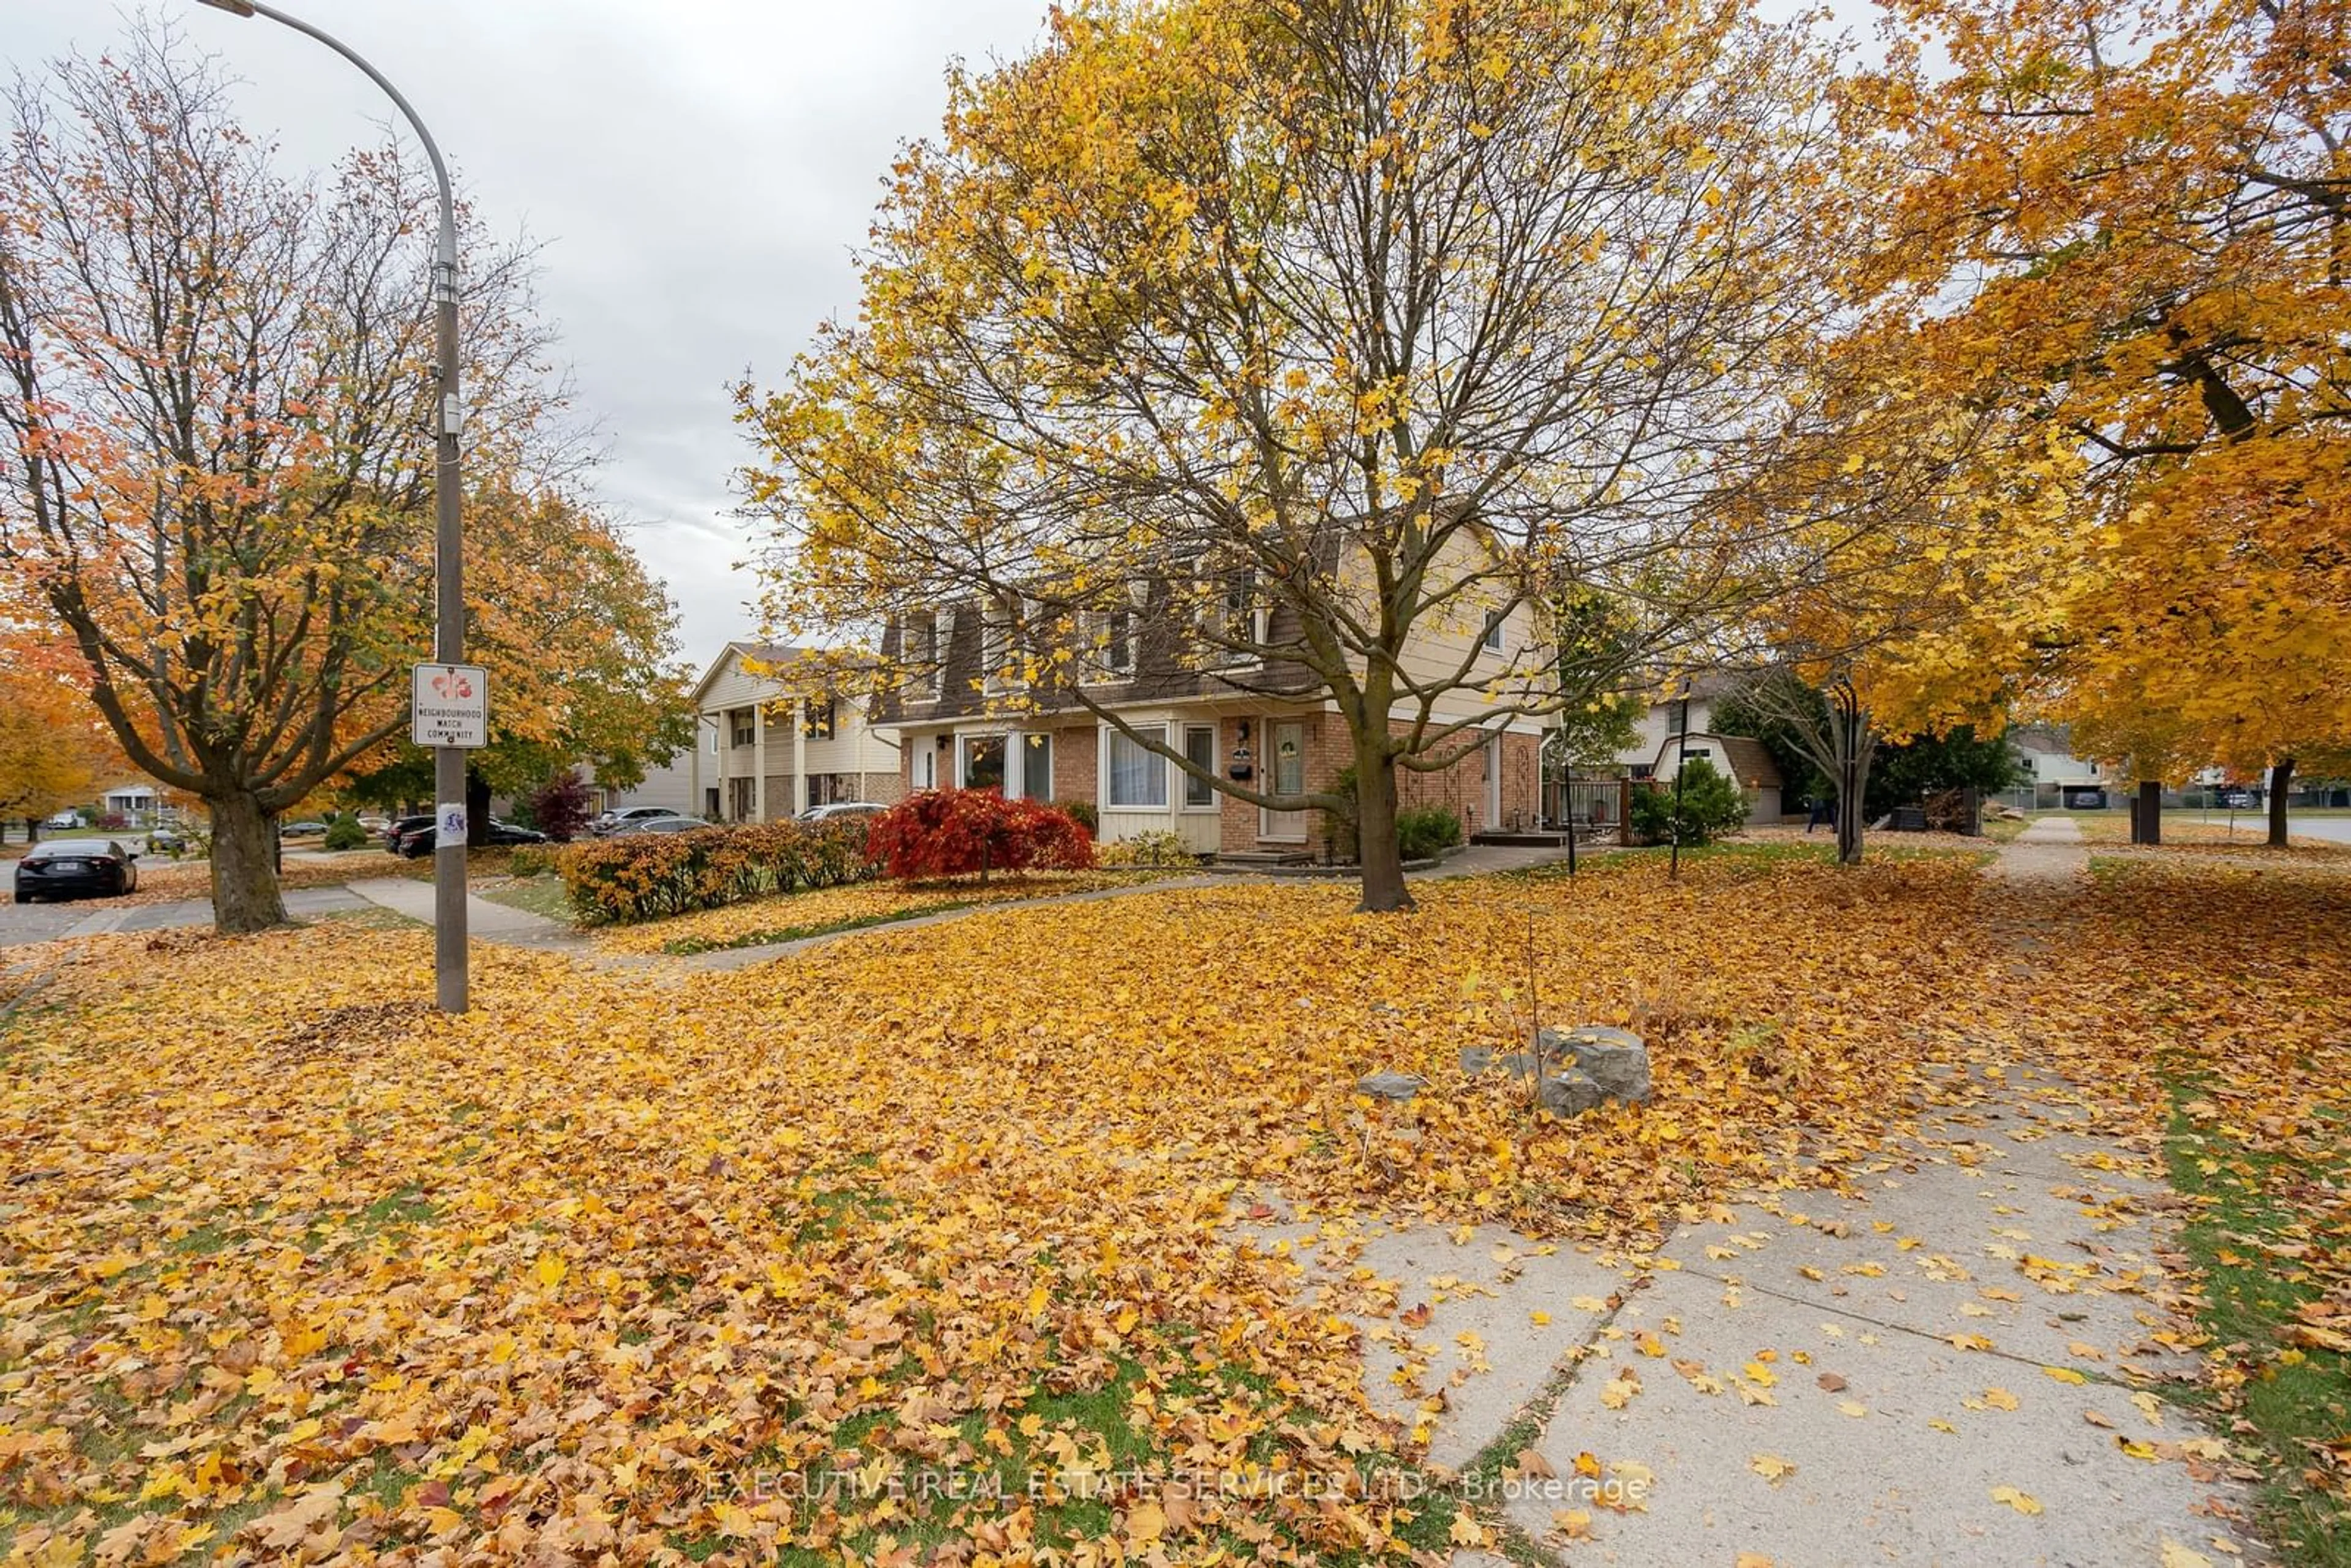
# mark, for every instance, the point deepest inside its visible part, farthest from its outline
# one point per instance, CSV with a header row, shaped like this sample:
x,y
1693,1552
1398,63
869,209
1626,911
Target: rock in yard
x,y
1390,1085
1478,1058
1569,1093
1615,1059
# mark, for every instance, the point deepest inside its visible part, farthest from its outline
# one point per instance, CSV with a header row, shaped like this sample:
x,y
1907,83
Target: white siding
x,y
669,786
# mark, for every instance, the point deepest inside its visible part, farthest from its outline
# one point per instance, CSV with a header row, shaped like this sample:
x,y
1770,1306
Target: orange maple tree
x,y
2131,225
213,391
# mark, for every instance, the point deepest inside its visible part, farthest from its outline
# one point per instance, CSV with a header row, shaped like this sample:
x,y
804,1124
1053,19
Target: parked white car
x,y
839,809
609,823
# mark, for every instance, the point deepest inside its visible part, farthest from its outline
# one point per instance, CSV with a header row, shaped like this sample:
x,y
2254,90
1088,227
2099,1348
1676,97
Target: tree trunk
x,y
478,810
2281,781
2146,815
1376,850
32,830
245,887
1849,809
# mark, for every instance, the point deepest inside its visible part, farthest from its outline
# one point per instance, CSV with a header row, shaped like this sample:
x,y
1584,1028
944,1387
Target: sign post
x,y
449,714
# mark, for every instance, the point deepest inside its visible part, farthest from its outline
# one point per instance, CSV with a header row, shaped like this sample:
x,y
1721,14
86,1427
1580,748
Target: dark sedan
x,y
75,868
422,841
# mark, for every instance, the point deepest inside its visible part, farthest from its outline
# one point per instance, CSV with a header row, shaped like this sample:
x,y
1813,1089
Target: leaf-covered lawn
x,y
2189,831
295,1266
2230,988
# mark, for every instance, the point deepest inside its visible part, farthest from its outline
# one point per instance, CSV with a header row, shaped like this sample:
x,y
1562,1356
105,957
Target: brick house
x,y
1262,722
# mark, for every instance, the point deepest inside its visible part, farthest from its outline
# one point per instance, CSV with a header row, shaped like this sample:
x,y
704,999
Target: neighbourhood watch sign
x,y
450,705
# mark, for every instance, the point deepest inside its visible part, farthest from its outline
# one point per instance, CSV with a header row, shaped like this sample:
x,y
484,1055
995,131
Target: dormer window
x,y
1243,628
1118,643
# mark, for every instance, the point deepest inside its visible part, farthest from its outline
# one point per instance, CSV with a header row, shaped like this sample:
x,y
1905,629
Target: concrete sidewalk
x,y
2050,850
485,921
1959,1365
1965,1362
1956,1366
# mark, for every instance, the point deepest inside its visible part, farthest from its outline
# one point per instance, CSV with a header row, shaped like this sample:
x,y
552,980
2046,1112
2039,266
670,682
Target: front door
x,y
1494,782
1285,775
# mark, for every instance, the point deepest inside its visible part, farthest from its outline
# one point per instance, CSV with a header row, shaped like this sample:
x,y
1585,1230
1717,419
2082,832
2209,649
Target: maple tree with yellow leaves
x,y
1312,337
2127,226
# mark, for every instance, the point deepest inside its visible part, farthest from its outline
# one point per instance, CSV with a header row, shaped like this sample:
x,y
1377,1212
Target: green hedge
x,y
1422,832
1711,805
648,876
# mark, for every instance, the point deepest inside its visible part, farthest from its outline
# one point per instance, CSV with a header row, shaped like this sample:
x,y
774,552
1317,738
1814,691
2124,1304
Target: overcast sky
x,y
697,171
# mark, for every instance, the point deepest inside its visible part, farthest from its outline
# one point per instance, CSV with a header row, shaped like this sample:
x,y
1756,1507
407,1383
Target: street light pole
x,y
449,532
1681,766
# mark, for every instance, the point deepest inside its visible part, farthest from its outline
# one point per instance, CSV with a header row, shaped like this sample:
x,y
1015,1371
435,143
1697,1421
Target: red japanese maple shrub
x,y
958,832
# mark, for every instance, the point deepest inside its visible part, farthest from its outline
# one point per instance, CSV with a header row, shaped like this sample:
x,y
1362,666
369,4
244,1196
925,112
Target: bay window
x,y
1137,777
1035,781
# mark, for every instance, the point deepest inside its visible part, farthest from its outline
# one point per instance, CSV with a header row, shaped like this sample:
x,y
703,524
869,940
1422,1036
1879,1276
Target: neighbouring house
x,y
133,802
1683,726
767,745
669,786
2053,777
1258,721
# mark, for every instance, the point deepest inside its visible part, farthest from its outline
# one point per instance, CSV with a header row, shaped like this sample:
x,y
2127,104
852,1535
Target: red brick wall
x,y
1461,788
1076,758
1073,766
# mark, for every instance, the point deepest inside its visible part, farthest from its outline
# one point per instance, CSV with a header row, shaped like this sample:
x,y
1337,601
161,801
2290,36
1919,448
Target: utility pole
x,y
449,962
1681,766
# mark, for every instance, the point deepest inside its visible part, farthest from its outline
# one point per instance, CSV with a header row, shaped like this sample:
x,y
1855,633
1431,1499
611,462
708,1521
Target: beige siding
x,y
791,757
1442,639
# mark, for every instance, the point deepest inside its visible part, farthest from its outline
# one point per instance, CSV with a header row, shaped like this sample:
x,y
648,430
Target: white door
x,y
1285,774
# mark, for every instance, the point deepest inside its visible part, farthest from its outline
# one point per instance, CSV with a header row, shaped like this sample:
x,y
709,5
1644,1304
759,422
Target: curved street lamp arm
x,y
445,268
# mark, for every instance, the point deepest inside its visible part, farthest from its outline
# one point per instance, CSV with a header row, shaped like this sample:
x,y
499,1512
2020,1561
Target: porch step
x,y
1524,838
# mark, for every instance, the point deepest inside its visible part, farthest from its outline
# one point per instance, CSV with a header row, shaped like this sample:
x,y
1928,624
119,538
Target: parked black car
x,y
75,868
413,844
